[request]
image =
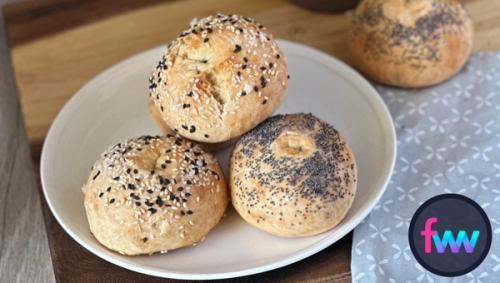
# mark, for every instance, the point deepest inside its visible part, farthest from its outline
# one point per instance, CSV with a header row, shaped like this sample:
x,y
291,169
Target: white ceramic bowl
x,y
112,107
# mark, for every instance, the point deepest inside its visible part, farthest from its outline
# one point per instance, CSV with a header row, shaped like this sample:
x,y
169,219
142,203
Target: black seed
x,y
192,129
180,189
163,166
190,212
190,94
101,194
237,48
185,127
278,56
185,105
129,170
136,171
112,200
245,59
207,136
145,239
96,175
108,189
159,201
131,186
138,203
205,40
150,191
255,88
263,81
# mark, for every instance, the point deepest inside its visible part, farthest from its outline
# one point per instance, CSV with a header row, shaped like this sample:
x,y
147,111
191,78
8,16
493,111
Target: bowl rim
x,y
331,62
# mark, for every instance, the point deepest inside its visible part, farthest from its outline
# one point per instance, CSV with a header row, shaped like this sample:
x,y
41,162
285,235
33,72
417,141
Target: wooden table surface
x,y
57,46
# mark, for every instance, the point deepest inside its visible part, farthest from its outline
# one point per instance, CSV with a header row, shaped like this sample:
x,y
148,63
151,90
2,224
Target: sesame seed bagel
x,y
217,80
293,175
154,194
410,43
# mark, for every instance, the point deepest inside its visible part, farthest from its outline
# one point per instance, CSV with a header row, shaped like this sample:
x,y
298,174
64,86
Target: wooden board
x,y
57,46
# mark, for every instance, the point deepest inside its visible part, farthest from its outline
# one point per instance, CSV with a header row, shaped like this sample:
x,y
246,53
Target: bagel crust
x,y
293,175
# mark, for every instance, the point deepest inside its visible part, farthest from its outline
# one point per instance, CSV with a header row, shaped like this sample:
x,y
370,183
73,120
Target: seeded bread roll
x,y
410,43
154,194
293,175
218,79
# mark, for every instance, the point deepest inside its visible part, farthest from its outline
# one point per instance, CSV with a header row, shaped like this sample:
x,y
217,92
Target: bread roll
x,y
154,194
410,43
218,79
293,175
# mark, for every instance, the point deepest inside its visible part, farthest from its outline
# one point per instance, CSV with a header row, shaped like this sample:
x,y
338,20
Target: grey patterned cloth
x,y
448,142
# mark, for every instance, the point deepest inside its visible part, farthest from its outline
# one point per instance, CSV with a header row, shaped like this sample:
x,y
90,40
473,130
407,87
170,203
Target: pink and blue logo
x,y
450,235
448,239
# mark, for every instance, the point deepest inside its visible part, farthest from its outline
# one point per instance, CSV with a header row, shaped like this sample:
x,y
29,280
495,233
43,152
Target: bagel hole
x,y
293,144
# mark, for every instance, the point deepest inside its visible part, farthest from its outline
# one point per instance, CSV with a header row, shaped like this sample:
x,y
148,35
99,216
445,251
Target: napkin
x,y
448,142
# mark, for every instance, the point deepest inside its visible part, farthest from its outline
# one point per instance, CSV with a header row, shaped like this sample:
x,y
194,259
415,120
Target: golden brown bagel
x,y
218,79
293,175
410,43
154,194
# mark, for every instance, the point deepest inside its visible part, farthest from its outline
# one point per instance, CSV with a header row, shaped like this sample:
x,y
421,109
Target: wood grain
x,y
52,68
72,47
24,253
52,16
